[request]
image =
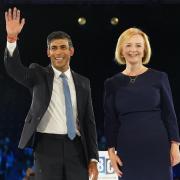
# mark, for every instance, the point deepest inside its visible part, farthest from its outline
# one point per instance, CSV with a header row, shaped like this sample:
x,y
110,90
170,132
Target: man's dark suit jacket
x,y
39,80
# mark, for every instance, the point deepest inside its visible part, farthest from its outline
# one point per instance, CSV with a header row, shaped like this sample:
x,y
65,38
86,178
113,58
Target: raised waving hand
x,y
14,24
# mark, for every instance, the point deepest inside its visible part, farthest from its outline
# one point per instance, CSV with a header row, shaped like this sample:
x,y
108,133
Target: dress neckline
x,y
147,70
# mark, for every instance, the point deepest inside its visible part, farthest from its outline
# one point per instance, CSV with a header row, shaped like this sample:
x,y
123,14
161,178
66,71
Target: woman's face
x,y
133,49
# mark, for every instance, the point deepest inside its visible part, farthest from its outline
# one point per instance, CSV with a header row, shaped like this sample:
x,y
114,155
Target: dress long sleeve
x,y
168,112
110,119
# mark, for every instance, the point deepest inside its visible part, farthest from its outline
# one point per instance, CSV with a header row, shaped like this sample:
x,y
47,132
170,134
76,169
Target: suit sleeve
x,y
168,112
16,70
110,118
91,133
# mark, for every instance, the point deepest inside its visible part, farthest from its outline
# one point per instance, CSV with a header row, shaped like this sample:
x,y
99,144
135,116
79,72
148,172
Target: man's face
x,y
60,53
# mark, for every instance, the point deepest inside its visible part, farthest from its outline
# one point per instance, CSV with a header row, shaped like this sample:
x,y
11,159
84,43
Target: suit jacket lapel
x,y
50,77
79,93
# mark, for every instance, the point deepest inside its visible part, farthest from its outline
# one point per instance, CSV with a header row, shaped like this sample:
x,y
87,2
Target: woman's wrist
x,y
111,151
175,143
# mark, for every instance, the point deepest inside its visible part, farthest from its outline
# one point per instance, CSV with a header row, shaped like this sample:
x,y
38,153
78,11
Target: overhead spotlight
x,y
82,21
114,21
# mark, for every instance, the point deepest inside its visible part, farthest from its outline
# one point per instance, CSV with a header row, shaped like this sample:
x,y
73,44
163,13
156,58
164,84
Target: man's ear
x,y
71,51
48,53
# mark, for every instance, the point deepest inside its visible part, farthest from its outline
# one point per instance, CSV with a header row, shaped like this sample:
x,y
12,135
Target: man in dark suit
x,y
60,124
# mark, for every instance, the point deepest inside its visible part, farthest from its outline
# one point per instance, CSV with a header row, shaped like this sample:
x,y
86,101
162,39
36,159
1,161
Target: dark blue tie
x,y
69,111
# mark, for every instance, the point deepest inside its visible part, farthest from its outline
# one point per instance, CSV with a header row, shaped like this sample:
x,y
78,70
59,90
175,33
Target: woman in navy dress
x,y
140,121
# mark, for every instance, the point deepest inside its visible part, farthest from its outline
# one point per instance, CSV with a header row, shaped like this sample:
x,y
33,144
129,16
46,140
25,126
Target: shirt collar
x,y
57,73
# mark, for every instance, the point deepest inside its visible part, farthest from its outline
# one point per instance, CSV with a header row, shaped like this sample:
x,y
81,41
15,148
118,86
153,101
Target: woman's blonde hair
x,y
127,35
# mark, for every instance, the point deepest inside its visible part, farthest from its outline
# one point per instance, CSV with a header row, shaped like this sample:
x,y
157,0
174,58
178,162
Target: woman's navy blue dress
x,y
140,122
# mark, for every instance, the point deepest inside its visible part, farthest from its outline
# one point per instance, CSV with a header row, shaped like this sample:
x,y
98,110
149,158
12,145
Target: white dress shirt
x,y
54,119
11,47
